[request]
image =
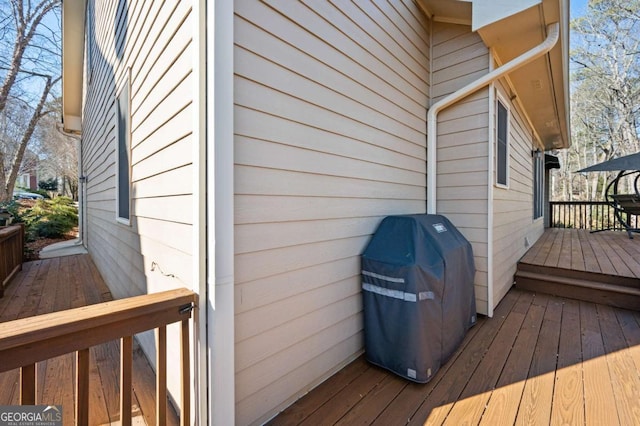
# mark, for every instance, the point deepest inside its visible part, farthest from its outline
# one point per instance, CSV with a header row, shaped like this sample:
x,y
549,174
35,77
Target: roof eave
x,y
510,28
73,31
542,86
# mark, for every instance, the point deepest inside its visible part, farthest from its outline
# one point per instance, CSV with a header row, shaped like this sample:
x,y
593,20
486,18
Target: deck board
x,y
437,406
62,283
626,386
608,253
503,405
567,407
541,359
535,406
598,388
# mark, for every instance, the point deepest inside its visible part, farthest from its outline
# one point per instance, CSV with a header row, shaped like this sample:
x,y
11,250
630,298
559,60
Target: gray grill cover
x,y
418,295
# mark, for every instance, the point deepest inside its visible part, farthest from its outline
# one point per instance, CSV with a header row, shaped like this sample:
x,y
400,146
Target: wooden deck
x,y
602,267
540,360
67,282
608,252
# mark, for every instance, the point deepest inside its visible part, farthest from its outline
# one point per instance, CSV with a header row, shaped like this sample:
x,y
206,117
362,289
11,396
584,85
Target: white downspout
x,y
553,31
220,298
82,184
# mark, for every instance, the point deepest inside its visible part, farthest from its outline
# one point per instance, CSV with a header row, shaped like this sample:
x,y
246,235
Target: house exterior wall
x,y
330,107
460,57
514,230
330,137
150,43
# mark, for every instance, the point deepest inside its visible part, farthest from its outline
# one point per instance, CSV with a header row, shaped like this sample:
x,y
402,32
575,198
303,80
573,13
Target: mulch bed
x,y
32,249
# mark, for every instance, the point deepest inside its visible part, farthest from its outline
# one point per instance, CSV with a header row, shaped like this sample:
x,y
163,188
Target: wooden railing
x,y
591,215
11,252
25,342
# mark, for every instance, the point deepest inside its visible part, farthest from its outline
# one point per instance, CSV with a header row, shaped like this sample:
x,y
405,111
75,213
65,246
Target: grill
x,y
418,294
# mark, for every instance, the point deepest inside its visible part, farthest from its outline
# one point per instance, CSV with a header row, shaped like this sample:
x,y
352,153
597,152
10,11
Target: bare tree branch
x,y
26,26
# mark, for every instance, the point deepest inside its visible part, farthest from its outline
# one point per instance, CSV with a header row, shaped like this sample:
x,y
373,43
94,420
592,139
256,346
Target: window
x,y
89,42
123,156
502,142
538,184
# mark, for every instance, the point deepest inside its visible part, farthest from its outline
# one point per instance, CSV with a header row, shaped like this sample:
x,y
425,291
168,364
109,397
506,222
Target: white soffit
x,y
541,86
511,27
486,12
73,12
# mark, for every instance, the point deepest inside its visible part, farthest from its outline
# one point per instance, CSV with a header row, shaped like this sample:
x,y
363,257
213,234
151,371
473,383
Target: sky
x,y
578,7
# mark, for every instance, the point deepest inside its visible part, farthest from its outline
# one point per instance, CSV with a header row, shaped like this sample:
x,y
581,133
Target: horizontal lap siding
x,y
513,207
460,57
155,252
330,137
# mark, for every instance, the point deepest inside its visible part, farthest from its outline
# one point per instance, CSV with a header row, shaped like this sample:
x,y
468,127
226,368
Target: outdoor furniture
x,y
625,205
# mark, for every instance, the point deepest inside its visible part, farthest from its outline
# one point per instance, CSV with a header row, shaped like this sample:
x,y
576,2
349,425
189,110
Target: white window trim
x,y
125,83
90,30
502,100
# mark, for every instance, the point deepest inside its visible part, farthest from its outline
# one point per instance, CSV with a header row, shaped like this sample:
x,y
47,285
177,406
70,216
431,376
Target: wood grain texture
x,y
599,267
76,283
541,360
83,360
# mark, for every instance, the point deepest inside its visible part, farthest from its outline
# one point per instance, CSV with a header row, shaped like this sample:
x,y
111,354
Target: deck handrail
x,y
11,253
590,215
26,341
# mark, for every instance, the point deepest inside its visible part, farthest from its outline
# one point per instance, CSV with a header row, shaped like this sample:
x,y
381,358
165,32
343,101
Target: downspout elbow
x,y
553,34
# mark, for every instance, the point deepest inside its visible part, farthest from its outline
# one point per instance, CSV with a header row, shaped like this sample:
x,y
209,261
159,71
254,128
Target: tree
x,y
50,184
30,61
25,21
58,153
8,181
605,94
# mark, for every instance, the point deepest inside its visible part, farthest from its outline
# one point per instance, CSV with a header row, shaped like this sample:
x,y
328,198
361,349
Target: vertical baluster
x,y
126,361
161,375
82,387
185,418
28,385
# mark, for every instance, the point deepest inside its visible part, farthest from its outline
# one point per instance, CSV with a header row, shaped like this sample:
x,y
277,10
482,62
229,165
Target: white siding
x,y
513,223
330,137
460,57
154,252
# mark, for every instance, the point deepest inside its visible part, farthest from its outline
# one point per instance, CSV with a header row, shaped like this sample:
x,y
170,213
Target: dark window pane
x,y
502,144
123,154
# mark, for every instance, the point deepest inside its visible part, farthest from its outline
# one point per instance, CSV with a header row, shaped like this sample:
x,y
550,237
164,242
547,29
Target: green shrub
x,y
48,185
14,208
51,218
45,194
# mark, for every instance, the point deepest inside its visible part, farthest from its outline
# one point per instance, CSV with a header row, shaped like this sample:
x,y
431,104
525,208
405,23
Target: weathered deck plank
x,y
626,383
610,253
541,360
598,389
435,408
568,395
535,407
61,283
502,408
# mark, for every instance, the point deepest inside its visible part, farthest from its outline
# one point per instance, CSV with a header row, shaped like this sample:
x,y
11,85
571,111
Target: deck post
x,y
82,387
126,361
28,385
185,418
161,375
